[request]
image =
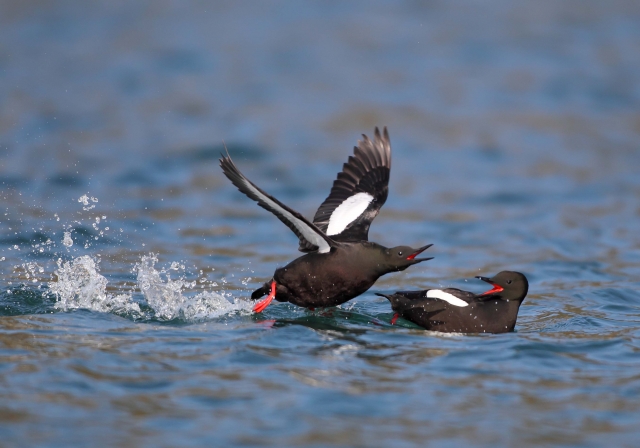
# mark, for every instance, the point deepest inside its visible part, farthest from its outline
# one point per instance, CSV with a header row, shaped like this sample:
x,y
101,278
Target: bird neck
x,y
512,305
373,258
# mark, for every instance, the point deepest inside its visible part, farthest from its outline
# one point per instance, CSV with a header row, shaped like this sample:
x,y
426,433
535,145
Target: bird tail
x,y
397,301
261,291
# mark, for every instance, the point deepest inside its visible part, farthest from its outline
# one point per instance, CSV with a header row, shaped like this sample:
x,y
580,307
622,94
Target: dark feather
x,y
366,171
240,181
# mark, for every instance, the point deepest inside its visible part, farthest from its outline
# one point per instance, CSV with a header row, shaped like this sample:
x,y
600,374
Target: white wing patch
x,y
439,294
347,212
308,233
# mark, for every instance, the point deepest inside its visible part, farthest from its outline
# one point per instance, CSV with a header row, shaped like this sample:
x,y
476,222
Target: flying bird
x,y
340,262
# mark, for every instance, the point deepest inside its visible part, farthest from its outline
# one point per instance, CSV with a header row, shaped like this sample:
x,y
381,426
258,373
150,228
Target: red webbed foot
x,y
262,304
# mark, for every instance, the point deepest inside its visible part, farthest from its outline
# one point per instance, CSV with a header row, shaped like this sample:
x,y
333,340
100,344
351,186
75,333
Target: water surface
x,y
126,257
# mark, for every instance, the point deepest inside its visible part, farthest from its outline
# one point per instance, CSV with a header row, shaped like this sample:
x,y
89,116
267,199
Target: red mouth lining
x,y
415,254
496,288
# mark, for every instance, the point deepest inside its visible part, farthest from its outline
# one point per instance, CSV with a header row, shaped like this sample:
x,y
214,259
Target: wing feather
x,y
308,233
366,171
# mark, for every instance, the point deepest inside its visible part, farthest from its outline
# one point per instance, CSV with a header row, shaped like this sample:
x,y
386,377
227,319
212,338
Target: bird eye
x,y
400,253
508,282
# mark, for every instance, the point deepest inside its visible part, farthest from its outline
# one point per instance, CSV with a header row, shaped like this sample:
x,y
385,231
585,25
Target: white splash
x,y
32,271
439,294
167,301
81,286
347,212
84,200
67,240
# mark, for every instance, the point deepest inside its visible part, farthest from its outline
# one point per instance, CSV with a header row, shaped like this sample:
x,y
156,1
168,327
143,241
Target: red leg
x,y
394,318
262,304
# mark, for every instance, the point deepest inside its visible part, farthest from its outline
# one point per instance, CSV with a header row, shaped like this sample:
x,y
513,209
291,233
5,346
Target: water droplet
x,y
67,240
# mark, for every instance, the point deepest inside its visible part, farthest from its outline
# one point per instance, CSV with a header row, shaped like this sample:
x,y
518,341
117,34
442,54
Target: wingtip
x,y
227,164
226,157
378,136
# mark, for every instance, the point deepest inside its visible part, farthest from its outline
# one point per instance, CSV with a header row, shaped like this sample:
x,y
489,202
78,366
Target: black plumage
x,y
453,310
343,265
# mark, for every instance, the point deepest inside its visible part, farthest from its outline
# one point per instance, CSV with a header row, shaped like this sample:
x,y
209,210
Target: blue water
x,y
126,257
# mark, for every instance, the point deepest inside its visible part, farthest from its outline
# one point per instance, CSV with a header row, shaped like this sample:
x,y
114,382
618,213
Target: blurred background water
x,y
126,257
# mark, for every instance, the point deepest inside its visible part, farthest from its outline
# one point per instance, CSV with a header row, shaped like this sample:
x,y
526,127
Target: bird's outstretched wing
x,y
309,234
358,193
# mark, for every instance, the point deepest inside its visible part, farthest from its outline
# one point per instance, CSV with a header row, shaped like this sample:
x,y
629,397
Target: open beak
x,y
413,258
496,288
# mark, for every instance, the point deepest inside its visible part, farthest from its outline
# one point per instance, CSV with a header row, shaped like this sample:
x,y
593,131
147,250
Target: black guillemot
x,y
453,310
340,262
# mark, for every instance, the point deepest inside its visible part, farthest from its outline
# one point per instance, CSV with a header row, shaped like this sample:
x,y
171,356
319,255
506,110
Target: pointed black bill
x,y
413,258
496,288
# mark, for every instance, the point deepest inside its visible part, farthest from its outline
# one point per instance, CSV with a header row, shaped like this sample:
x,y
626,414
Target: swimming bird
x,y
453,310
340,262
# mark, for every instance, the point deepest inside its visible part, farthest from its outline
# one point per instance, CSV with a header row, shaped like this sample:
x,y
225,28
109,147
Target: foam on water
x,y
81,286
78,284
167,300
